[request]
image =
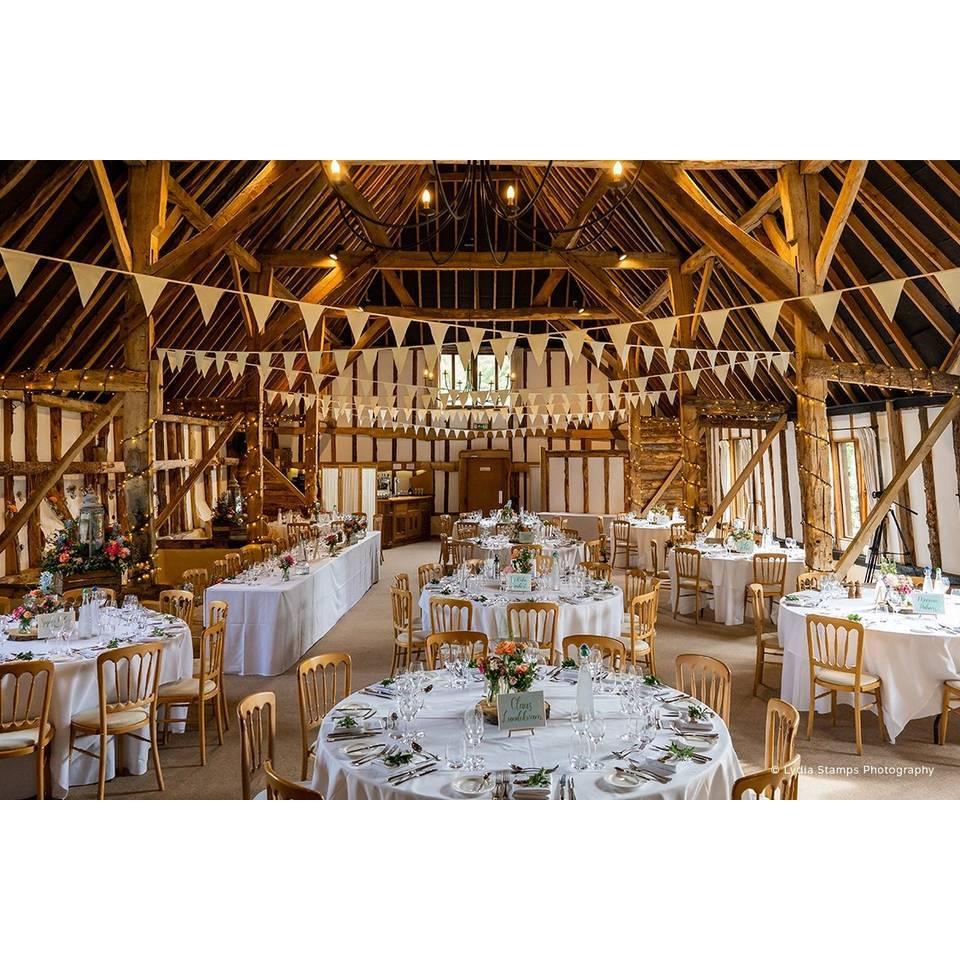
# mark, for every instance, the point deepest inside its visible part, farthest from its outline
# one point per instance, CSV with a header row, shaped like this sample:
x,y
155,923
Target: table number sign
x,y
520,581
928,603
49,623
521,711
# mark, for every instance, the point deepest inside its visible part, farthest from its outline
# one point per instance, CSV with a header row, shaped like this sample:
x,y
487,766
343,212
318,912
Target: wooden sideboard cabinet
x,y
405,519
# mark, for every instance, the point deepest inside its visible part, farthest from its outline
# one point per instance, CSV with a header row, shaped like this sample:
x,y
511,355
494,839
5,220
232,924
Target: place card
x,y
521,711
49,623
931,603
520,581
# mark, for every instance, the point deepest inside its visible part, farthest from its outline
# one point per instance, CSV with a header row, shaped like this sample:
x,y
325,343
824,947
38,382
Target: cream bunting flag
x,y
538,345
236,369
220,358
314,359
597,347
499,346
399,327
176,358
241,357
721,371
203,362
950,281
694,377
207,298
261,306
150,289
439,331
781,361
888,293
714,321
19,267
289,358
671,395
464,352
358,321
751,367
430,355
573,341
400,357
366,362
691,353
647,352
619,333
475,336
340,359
666,327
87,277
768,314
311,313
669,355
826,306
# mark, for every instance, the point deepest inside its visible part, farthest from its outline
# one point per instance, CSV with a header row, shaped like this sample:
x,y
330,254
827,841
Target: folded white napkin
x,y
521,791
390,689
694,726
655,766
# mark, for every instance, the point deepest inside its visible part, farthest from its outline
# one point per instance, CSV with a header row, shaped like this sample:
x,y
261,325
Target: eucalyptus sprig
x,y
347,722
386,681
397,759
696,711
652,680
679,751
26,655
855,617
568,662
113,644
539,779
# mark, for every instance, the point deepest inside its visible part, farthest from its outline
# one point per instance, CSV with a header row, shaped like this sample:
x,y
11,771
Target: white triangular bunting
x,y
538,345
597,347
768,314
475,337
399,327
340,359
888,293
950,281
694,377
203,362
750,366
439,331
714,321
87,277
780,361
311,313
314,359
236,369
721,371
19,267
400,357
666,327
220,357
826,306
430,354
647,352
261,306
619,333
150,289
573,341
358,321
669,355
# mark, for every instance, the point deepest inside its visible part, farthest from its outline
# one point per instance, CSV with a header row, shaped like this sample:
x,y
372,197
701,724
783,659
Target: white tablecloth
x,y
641,533
585,524
730,575
75,690
601,617
909,654
569,555
270,625
442,720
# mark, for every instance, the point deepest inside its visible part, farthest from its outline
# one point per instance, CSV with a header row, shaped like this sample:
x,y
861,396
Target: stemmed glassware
x,y
473,721
579,755
596,731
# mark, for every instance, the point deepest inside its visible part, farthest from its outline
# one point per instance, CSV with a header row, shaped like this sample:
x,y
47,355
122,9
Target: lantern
x,y
92,522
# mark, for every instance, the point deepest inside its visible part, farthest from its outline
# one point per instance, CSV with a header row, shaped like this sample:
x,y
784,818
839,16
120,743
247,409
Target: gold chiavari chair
x,y
768,644
232,560
780,736
250,554
706,679
280,788
643,627
322,681
593,551
777,783
459,551
401,581
534,622
544,565
599,571
770,571
504,529
613,650
406,641
427,572
450,613
73,598
951,701
378,527
470,644
809,580
128,679
446,524
257,714
835,651
679,534
298,531
177,603
445,531
26,688
216,612
634,583
270,549
552,529
197,579
622,540
444,552
220,572
687,568
201,689
658,571
601,531
466,530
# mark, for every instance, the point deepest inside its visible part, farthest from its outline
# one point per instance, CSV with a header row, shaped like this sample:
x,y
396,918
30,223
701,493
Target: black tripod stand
x,y
880,536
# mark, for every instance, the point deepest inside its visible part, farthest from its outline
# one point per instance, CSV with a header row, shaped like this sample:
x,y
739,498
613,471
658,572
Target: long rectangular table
x,y
271,625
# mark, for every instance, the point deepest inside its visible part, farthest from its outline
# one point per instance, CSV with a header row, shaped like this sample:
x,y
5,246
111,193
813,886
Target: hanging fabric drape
x,y
351,489
330,486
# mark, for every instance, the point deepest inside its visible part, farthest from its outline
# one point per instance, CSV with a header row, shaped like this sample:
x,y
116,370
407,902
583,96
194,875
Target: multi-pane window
x,y
850,495
483,373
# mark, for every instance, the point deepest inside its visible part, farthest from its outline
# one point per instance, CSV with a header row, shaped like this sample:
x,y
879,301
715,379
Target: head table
x,y
338,777
600,613
272,622
75,691
912,655
730,573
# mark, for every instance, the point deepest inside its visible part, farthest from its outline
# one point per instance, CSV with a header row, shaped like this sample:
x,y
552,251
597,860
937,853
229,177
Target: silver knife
x,y
422,771
573,793
563,787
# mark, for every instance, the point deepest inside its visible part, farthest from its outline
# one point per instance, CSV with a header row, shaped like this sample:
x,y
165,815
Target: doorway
x,y
485,479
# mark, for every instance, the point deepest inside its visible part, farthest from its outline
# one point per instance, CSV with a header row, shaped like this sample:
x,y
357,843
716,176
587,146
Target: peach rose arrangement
x,y
505,670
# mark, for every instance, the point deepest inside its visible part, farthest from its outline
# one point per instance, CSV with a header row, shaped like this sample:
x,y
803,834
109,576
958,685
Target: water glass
x,y
456,753
473,721
576,755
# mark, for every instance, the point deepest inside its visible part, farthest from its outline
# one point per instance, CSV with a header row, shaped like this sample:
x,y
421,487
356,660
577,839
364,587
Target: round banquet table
x,y
569,552
338,778
75,690
911,655
730,574
601,616
641,533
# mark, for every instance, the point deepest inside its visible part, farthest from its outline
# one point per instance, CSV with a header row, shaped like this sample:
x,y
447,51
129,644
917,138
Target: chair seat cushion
x,y
419,639
642,645
19,739
844,677
954,685
770,642
122,718
188,687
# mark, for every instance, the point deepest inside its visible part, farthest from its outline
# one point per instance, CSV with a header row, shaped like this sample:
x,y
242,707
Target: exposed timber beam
x,y
881,375
889,495
111,213
88,381
663,488
838,218
495,314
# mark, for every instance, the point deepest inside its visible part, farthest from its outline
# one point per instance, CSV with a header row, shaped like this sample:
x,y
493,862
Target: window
x,y
453,374
850,501
482,374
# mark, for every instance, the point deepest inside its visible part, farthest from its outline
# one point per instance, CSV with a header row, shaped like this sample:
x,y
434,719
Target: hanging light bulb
x,y
426,199
511,195
335,170
335,253
616,174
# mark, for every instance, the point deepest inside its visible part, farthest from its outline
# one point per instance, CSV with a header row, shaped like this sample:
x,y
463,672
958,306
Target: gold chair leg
x,y
41,786
813,707
216,713
857,706
202,716
102,771
944,716
758,670
878,696
155,750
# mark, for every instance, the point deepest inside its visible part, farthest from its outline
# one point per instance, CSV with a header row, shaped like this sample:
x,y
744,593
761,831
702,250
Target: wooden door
x,y
485,481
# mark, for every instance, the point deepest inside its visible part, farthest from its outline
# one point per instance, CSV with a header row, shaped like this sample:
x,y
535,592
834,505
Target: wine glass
x,y
473,728
596,731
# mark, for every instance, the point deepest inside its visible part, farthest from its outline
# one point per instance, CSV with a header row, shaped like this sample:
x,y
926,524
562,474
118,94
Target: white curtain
x,y
351,490
867,441
329,486
368,493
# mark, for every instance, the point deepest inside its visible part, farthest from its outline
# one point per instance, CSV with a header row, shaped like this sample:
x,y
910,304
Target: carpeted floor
x,y
913,768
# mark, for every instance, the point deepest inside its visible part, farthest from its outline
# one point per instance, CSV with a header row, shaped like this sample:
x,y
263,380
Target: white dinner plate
x,y
468,785
620,781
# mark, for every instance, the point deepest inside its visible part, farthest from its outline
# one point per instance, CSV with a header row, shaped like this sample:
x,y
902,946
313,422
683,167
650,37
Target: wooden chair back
x,y
543,565
177,603
778,783
280,788
446,525
128,679
783,721
835,644
621,532
427,572
466,529
401,581
613,650
232,560
755,592
197,579
601,532
643,617
593,550
258,733
401,604
459,551
450,613
770,571
534,622
706,679
26,687
809,580
687,562
270,549
211,652
503,529
655,556
73,598
678,533
634,583
250,554
470,643
599,571
220,571
322,681
535,548
300,530
217,611
552,529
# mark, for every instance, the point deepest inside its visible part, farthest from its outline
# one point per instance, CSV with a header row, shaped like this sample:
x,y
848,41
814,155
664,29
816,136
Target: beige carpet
x,y
834,770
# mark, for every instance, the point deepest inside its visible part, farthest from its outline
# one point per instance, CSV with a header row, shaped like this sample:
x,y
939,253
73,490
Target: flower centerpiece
x,y
316,510
743,541
900,592
332,543
32,605
67,556
525,532
285,562
657,513
506,512
523,561
360,525
506,670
